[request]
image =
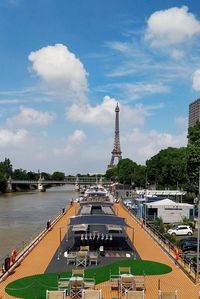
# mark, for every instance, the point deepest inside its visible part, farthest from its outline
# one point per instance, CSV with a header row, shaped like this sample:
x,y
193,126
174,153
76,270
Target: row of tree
x,y
171,168
6,171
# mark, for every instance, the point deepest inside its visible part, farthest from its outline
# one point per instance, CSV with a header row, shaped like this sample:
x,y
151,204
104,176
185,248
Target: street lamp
x,y
145,208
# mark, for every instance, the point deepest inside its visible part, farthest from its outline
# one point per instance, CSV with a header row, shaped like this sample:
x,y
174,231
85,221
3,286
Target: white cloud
x,y
30,116
149,143
77,137
61,70
103,114
72,146
171,27
196,80
124,48
12,138
10,101
181,121
177,54
99,114
136,91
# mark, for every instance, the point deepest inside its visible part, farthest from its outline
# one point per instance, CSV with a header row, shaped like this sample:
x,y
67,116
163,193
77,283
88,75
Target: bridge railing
x,y
67,180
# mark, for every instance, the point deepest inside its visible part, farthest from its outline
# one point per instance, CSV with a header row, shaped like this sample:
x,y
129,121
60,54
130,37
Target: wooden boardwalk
x,y
38,259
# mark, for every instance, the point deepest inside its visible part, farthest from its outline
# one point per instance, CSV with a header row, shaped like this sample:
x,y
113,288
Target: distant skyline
x,y
66,64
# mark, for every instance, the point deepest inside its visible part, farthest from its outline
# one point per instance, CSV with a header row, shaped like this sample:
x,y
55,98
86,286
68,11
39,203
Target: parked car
x,y
188,239
181,230
189,244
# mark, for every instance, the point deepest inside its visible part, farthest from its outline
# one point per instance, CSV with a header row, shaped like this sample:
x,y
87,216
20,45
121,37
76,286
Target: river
x,y
22,215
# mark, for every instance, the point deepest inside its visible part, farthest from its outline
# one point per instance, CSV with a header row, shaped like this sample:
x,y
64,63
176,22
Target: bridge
x,y
41,182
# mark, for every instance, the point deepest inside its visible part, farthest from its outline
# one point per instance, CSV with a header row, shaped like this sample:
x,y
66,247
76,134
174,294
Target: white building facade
x,y
169,211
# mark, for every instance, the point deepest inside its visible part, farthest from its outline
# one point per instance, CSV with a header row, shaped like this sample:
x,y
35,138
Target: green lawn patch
x,y
35,286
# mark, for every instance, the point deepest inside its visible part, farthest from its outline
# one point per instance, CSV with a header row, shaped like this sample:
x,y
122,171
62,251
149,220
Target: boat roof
x,y
168,202
97,203
97,220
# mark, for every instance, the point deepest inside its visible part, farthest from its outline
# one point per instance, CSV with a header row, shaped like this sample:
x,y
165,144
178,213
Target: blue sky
x,y
65,64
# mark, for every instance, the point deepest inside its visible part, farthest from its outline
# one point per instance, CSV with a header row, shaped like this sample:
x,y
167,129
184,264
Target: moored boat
x,y
55,254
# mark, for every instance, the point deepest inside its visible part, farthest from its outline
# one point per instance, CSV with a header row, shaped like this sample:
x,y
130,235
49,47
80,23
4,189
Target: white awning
x,y
113,227
161,192
80,227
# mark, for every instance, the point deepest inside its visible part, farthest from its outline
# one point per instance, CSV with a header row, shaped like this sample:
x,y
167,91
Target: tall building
x,y
116,152
194,112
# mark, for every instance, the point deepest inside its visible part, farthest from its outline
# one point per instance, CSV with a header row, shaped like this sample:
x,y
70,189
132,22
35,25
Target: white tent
x,y
169,210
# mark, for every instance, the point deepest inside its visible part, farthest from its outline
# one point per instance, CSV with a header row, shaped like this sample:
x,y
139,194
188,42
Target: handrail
x,y
187,266
23,252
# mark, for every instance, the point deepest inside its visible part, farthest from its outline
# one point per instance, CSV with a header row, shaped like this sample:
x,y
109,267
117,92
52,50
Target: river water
x,y
23,215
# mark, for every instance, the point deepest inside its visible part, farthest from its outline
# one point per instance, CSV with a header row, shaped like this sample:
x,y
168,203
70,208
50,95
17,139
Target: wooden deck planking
x,y
37,261
149,250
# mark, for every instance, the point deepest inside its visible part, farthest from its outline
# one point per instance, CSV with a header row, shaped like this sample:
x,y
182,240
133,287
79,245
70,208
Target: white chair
x,y
127,283
140,283
91,294
124,270
71,257
81,258
63,284
134,294
93,258
168,294
78,272
76,286
114,281
55,294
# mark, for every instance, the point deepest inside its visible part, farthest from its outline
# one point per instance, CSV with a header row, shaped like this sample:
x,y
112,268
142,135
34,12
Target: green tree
x,y
168,168
32,176
19,174
111,174
193,157
3,184
6,167
58,176
139,176
125,171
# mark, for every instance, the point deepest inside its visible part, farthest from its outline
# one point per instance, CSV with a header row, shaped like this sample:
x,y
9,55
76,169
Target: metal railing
x,y
24,247
184,261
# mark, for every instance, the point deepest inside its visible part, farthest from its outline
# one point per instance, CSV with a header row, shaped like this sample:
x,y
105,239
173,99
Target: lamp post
x,y
146,199
198,233
145,209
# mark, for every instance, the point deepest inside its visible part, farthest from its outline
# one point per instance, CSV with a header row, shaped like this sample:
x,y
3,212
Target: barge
x,y
93,235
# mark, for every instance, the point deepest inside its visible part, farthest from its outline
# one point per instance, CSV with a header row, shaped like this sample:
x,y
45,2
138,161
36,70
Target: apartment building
x,y
194,112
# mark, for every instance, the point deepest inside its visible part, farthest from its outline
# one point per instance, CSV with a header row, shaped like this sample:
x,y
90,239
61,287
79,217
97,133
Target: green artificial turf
x,y
35,286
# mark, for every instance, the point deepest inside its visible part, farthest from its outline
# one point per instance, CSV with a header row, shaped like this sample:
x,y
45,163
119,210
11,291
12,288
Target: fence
x,y
25,247
185,262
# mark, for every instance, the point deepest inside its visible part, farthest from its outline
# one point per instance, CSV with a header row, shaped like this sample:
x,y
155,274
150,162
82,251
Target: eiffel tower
x,y
116,152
